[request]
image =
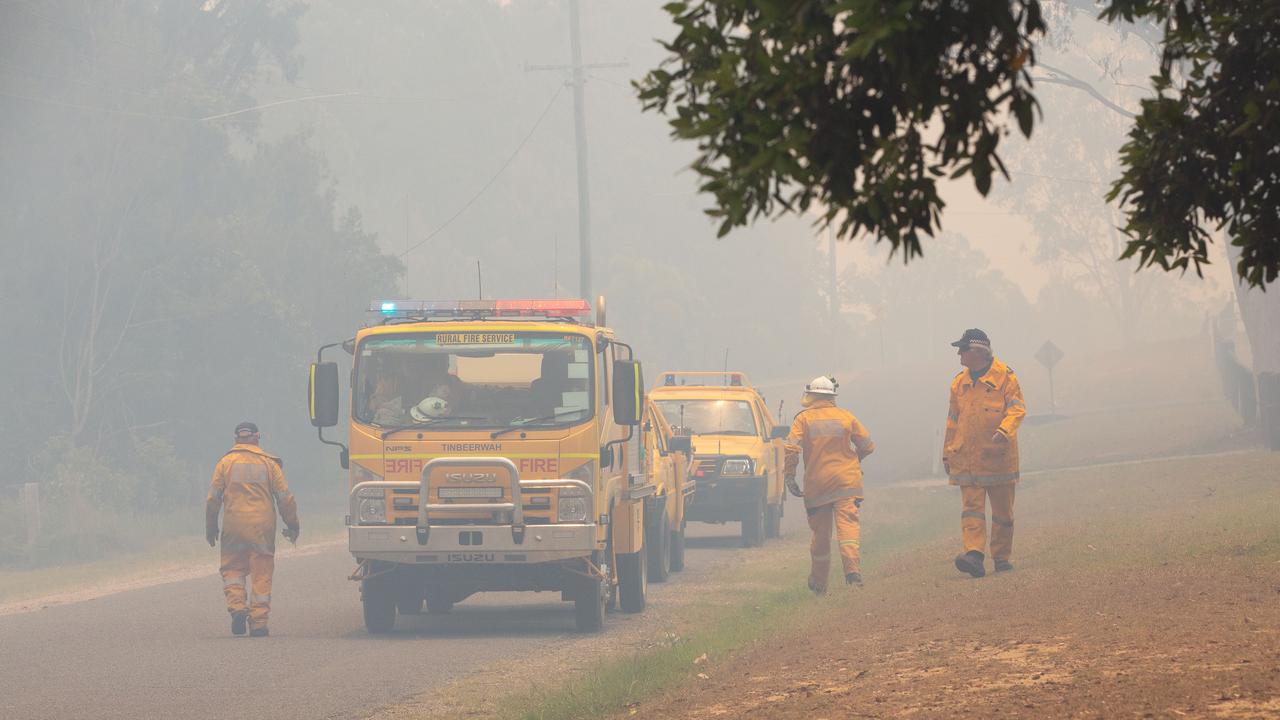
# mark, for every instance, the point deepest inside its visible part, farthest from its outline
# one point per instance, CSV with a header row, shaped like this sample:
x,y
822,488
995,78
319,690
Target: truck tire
x,y
677,550
588,604
658,544
773,521
632,581
753,525
379,602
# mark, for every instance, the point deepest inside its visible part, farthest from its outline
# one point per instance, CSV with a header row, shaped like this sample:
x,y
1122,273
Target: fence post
x,y
31,511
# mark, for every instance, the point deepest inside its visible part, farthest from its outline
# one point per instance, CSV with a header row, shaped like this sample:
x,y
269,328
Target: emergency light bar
x,y
704,378
569,308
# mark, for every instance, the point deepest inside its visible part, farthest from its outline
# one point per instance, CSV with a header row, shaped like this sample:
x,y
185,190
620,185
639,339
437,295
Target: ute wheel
x,y
438,602
753,525
379,606
773,521
659,547
588,604
632,581
677,550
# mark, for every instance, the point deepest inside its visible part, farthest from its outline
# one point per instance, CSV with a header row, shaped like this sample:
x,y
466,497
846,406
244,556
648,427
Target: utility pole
x,y
580,142
577,72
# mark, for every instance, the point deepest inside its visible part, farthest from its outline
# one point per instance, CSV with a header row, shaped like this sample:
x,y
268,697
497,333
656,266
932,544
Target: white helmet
x,y
432,407
822,385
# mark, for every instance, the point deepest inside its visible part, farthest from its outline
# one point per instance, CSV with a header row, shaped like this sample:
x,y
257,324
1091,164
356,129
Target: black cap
x,y
246,428
972,336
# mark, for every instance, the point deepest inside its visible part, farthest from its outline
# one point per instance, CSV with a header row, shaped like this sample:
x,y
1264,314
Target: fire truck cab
x,y
490,449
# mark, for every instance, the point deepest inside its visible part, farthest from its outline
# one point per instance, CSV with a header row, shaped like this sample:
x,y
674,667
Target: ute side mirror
x,y
322,394
680,444
779,432
628,392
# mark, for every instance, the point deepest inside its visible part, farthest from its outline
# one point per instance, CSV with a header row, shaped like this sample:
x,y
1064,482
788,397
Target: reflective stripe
x,y
282,496
241,546
974,514
854,543
233,582
826,428
984,479
820,500
1005,522
248,473
254,598
1016,403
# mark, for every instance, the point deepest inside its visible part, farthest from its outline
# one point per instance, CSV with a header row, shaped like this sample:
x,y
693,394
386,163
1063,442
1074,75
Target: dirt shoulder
x,y
1149,591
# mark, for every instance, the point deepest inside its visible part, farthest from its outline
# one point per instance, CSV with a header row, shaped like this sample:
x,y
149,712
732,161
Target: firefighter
x,y
249,487
980,451
833,444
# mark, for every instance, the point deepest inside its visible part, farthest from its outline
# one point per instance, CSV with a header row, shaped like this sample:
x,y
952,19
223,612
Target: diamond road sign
x,y
1049,354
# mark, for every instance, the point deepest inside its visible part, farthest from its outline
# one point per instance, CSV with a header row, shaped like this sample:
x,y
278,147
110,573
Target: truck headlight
x,y
736,466
572,505
372,510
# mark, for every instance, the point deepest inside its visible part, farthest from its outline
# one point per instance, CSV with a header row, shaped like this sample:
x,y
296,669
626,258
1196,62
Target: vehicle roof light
x,y
573,308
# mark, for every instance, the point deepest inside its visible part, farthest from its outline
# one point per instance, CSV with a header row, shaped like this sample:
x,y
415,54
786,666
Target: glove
x,y
291,534
211,535
794,488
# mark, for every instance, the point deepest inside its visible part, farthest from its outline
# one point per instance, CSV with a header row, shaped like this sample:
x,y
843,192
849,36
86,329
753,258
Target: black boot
x,y
853,578
238,622
971,563
1003,566
259,632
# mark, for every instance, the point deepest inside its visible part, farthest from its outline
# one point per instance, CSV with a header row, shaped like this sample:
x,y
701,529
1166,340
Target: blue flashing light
x,y
388,308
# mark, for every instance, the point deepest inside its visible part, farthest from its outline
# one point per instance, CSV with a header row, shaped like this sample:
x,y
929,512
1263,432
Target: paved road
x,y
165,651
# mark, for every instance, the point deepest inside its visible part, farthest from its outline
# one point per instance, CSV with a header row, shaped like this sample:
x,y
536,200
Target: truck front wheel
x,y
589,597
753,525
659,547
773,521
632,581
379,606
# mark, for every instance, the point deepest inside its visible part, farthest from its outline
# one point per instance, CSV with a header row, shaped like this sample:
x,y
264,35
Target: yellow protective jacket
x,y
249,486
979,409
832,442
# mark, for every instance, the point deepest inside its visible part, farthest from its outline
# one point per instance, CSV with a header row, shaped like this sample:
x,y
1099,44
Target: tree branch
x,y
1060,77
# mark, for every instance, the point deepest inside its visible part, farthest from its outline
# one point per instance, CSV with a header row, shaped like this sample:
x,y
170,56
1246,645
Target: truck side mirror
x,y
322,394
628,392
779,432
680,444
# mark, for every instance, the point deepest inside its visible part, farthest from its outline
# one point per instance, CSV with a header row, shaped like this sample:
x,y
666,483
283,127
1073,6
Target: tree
x,y
860,106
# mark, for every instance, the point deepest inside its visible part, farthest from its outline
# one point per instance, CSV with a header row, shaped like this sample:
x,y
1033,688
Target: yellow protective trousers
x,y
843,515
973,518
238,563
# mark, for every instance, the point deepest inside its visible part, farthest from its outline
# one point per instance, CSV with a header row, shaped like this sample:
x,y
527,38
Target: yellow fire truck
x,y
665,457
491,449
738,453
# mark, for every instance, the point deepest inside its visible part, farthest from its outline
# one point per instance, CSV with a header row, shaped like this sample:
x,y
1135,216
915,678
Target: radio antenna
x,y
479,282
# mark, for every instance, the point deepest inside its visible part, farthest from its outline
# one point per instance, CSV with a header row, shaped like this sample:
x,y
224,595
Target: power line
x,y
492,179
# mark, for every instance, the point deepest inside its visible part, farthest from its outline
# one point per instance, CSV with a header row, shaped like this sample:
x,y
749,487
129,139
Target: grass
x,y
1091,520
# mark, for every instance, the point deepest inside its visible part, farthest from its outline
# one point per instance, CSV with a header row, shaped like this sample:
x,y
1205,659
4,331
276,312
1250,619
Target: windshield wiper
x,y
517,425
426,424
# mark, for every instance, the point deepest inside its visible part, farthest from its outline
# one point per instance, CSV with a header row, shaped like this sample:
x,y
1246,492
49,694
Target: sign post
x,y
1049,355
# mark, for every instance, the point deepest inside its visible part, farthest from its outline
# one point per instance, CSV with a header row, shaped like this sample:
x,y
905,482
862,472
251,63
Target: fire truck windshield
x,y
457,380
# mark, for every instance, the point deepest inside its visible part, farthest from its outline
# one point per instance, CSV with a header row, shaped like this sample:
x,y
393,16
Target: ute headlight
x,y
736,466
572,505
